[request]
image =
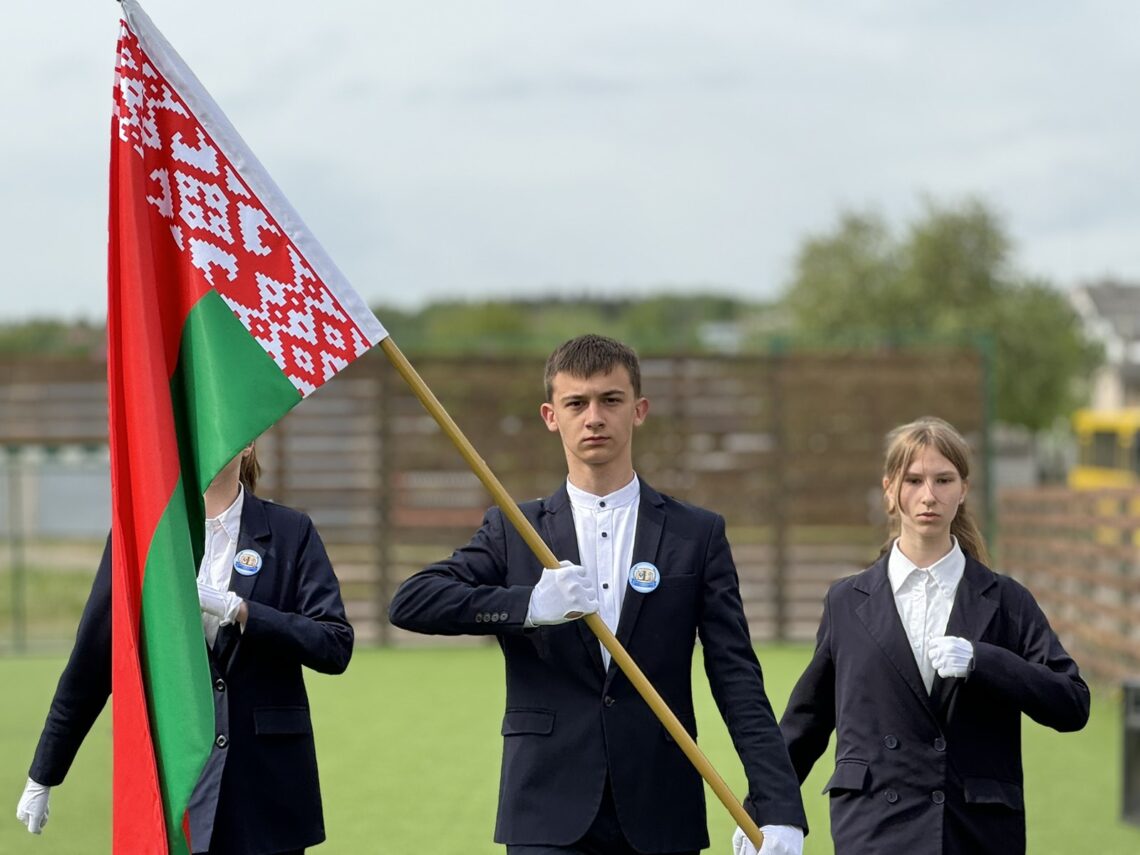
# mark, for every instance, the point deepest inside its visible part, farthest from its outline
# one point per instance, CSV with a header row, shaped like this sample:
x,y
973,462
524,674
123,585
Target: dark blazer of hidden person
x,y
271,606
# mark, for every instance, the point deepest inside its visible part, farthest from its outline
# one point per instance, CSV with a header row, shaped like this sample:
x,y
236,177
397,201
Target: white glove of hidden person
x,y
778,840
563,594
951,656
32,809
220,604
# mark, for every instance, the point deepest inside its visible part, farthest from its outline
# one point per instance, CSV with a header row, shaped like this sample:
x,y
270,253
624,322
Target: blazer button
x,y
891,796
608,701
495,617
938,797
220,684
222,741
939,744
891,741
503,615
478,617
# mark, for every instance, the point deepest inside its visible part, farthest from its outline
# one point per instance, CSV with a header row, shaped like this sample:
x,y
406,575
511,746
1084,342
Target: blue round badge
x,y
247,562
644,577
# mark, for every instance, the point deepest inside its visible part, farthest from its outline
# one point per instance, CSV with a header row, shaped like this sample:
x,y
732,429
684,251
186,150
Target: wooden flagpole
x,y
594,622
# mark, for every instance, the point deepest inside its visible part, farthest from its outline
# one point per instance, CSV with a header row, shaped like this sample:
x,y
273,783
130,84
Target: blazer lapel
x,y
253,537
646,540
558,531
880,616
972,611
969,618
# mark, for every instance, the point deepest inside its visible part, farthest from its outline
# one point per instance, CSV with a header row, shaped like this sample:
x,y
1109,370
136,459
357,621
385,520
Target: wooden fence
x,y
786,445
1078,551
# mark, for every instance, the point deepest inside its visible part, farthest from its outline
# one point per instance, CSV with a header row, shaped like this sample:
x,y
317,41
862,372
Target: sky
x,y
446,149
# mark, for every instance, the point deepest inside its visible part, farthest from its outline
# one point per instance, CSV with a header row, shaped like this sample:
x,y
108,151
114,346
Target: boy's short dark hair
x,y
591,354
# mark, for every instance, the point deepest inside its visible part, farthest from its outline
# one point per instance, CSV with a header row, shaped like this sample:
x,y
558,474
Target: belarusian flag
x,y
223,312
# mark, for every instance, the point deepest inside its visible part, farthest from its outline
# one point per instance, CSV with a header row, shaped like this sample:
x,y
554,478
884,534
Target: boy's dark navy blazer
x,y
265,770
570,722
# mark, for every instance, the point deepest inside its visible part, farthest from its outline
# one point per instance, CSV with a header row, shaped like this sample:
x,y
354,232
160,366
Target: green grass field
x,y
408,742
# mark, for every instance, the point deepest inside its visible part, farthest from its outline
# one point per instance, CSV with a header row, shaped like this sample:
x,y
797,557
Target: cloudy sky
x,y
516,148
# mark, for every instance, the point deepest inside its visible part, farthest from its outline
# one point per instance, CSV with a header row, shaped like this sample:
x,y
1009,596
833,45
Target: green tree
x,y
655,325
48,337
858,259
949,277
486,328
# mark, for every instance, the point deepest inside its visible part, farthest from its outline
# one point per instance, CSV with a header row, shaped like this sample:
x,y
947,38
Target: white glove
x,y
220,604
32,809
562,595
951,656
778,840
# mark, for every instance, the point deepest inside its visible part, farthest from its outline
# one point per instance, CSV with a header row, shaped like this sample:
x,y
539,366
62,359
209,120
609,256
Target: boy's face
x,y
595,416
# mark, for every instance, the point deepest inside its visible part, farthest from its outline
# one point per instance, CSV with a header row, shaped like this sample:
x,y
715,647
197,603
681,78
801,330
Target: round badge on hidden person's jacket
x,y
247,562
644,577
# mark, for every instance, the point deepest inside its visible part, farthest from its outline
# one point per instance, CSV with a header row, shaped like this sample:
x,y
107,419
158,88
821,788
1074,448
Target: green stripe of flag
x,y
226,391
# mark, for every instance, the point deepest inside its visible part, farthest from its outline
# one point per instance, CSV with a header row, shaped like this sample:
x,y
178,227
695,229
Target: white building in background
x,y
1110,311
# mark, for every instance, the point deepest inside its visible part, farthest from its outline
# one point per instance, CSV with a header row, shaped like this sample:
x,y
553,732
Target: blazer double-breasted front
x,y
939,772
569,721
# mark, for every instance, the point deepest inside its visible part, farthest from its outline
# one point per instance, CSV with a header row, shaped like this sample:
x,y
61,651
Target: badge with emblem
x,y
247,562
644,577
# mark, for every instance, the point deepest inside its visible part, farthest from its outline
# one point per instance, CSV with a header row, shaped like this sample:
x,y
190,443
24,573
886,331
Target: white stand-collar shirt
x,y
217,564
605,526
924,597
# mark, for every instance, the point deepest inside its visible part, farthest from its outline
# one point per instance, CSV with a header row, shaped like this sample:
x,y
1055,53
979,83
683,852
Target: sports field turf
x,y
408,743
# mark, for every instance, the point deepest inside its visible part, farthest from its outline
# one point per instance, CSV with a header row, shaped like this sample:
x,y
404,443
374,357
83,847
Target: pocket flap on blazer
x,y
992,791
275,721
849,775
517,722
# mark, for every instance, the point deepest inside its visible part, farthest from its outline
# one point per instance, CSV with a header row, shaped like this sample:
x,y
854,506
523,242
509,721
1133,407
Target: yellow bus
x,y
1108,448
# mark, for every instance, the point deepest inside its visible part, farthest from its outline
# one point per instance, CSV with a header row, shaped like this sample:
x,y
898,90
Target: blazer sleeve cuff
x,y
777,812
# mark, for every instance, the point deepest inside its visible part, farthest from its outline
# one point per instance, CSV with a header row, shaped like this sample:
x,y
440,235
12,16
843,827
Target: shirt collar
x,y
230,518
619,498
947,571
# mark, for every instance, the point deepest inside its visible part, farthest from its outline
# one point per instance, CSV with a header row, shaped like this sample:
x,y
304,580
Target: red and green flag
x,y
223,313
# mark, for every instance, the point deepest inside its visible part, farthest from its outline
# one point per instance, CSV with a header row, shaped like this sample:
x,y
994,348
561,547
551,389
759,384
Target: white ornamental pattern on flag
x,y
227,233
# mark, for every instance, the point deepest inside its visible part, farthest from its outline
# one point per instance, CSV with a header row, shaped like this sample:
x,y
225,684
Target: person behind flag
x,y
586,767
924,664
270,604
223,312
